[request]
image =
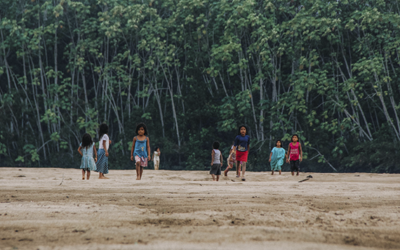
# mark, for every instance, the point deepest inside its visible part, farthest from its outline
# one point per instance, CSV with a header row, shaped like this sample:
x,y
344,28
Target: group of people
x,y
240,151
140,153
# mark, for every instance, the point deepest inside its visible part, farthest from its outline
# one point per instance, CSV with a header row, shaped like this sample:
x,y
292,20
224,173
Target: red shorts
x,y
242,156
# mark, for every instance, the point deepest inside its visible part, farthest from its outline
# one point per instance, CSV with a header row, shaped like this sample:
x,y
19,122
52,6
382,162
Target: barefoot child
x,y
104,143
156,158
294,154
216,162
87,163
140,149
242,144
231,160
277,157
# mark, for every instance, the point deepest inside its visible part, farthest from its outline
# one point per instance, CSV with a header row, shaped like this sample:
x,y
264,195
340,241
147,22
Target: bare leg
x,y
138,170
280,171
141,172
83,174
238,168
297,173
292,173
217,177
229,167
272,172
213,177
243,169
88,175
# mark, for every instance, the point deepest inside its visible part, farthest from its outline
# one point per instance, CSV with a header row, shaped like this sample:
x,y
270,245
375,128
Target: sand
x,y
54,209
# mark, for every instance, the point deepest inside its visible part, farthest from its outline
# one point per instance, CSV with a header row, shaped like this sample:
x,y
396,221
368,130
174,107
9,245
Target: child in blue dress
x,y
86,149
276,158
140,149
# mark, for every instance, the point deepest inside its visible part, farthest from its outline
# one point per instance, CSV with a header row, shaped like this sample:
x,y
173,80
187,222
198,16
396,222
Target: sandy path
x,y
185,210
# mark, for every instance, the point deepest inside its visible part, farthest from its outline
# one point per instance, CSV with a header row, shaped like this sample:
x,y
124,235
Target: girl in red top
x,y
294,154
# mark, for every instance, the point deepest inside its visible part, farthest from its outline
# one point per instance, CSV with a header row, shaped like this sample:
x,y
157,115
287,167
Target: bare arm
x,y
79,150
133,147
95,153
105,147
212,157
222,159
287,154
148,148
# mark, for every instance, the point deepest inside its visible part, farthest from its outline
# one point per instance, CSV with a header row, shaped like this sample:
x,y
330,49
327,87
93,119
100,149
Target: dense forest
x,y
193,70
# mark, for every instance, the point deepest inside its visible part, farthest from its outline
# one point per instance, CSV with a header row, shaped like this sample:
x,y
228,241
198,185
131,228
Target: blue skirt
x,y
102,162
276,164
87,163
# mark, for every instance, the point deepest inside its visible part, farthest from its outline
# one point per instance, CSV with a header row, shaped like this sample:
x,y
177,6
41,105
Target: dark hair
x,y
297,137
276,143
86,140
216,145
156,148
141,125
241,126
103,129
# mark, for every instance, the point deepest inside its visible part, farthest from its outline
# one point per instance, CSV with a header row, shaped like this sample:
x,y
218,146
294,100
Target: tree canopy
x,y
193,71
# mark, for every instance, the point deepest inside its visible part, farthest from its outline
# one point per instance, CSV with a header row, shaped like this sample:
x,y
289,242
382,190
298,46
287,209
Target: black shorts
x,y
294,166
216,169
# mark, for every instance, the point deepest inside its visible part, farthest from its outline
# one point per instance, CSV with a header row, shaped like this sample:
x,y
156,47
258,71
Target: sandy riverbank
x,y
186,210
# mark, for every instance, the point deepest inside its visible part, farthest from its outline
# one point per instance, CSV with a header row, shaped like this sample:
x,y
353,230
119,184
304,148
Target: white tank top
x,y
217,156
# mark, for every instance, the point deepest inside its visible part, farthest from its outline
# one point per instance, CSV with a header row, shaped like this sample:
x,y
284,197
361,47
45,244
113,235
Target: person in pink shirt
x,y
294,154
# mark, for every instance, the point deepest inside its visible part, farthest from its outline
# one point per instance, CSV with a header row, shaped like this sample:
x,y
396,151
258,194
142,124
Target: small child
x,y
242,144
87,163
216,162
277,157
104,143
156,158
140,149
231,160
294,154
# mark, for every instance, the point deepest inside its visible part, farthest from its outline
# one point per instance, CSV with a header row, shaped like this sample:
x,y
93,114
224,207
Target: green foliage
x,y
55,136
195,70
3,147
29,149
90,125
